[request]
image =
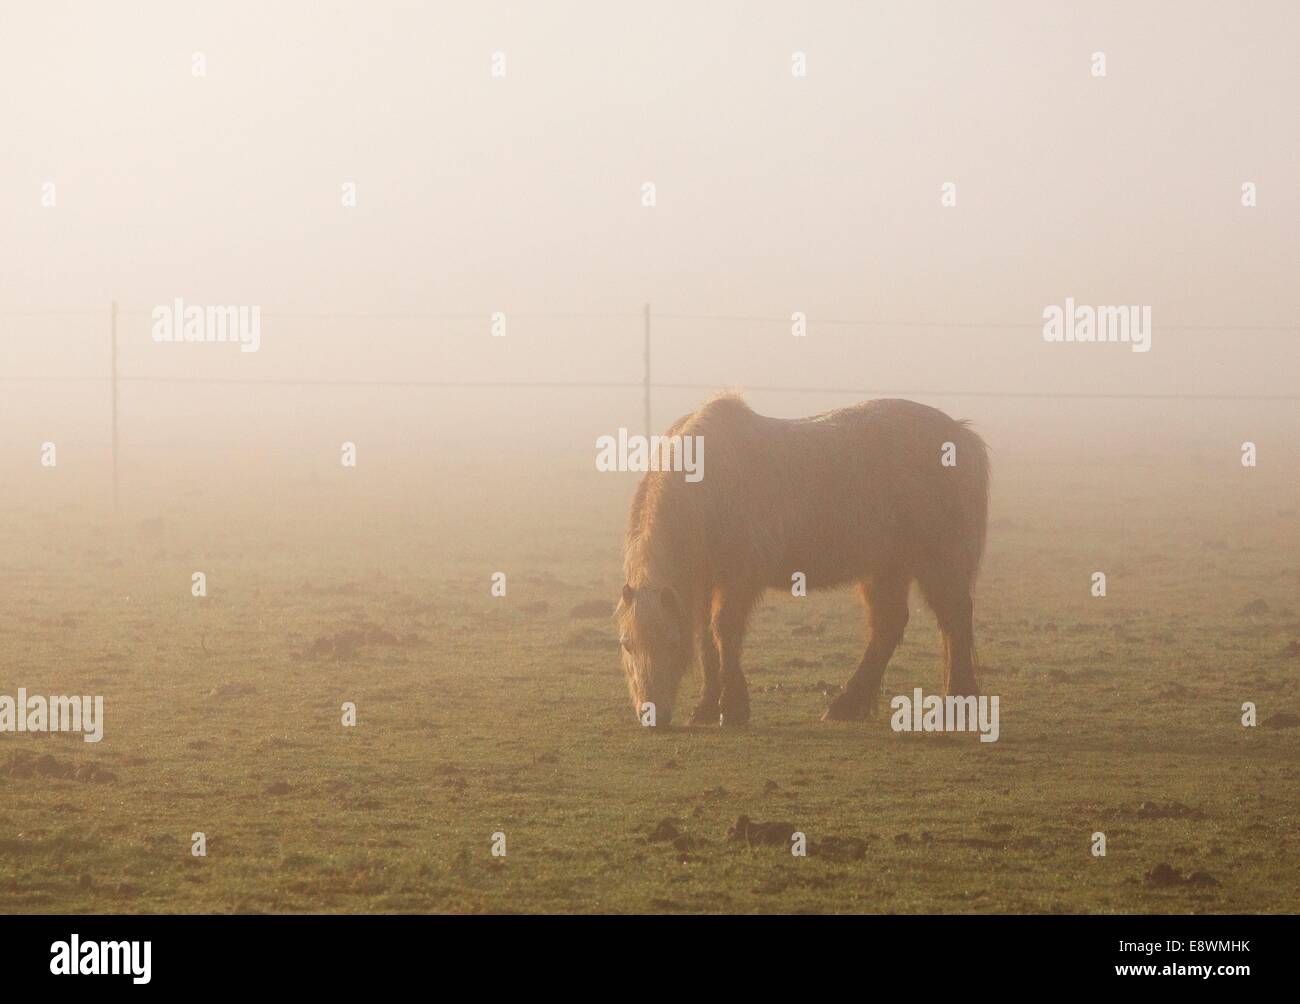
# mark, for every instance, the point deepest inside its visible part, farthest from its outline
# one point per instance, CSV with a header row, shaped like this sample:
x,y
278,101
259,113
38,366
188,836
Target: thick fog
x,y
381,179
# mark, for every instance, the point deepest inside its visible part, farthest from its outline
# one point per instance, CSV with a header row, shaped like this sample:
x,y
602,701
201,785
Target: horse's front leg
x,y
708,710
730,614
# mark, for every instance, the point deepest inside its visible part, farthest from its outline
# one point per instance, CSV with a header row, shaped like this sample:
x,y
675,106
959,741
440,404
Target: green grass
x,y
503,715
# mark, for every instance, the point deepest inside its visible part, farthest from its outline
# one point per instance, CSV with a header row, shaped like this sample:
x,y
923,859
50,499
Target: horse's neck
x,y
666,548
664,568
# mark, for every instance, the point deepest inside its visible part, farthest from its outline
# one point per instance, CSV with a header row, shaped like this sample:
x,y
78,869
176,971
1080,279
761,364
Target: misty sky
x,y
523,194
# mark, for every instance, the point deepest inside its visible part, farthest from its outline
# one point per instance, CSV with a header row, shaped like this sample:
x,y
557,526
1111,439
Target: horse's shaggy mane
x,y
666,505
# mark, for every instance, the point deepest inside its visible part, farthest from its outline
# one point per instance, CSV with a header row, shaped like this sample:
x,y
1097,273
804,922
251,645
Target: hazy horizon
x,y
522,194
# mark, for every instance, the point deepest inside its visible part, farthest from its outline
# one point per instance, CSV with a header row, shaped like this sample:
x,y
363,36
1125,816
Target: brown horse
x,y
879,495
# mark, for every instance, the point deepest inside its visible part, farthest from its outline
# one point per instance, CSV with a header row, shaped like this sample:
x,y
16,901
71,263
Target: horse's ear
x,y
629,594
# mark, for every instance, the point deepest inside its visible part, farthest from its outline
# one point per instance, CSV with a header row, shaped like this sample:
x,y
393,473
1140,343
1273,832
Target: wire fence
x,y
647,382
114,378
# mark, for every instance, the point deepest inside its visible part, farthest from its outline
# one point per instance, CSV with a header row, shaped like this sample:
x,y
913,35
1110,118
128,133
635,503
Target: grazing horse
x,y
878,495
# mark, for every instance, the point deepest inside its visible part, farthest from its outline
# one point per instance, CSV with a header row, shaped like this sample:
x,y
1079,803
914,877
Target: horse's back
x,y
839,494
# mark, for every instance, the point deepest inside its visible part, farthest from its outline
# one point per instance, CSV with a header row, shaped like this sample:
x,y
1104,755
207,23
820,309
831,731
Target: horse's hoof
x,y
706,714
845,709
734,718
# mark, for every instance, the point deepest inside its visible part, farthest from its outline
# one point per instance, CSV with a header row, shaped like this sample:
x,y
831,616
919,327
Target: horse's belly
x,y
830,555
819,571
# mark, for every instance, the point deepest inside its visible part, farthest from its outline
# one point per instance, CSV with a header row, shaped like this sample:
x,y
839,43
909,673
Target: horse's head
x,y
656,640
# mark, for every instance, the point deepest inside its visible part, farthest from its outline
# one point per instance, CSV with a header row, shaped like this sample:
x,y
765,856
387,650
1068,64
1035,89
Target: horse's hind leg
x,y
708,710
885,598
949,595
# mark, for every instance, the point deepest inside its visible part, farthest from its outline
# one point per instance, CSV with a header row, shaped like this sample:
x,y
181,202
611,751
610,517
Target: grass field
x,y
479,714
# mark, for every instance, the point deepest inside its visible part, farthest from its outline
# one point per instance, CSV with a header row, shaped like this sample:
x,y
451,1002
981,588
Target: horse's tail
x,y
973,469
